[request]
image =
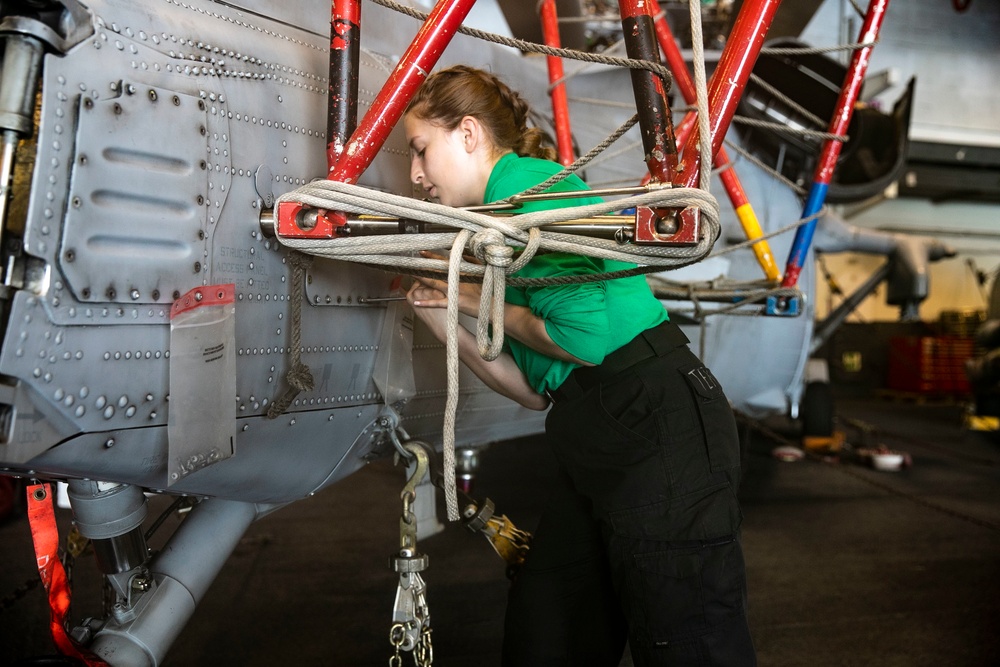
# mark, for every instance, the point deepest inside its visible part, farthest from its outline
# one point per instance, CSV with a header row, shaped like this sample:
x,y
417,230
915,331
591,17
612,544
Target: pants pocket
x,y
689,589
718,423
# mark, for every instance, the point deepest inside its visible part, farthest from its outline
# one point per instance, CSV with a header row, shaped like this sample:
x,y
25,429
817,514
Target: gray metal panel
x,y
92,367
306,14
139,181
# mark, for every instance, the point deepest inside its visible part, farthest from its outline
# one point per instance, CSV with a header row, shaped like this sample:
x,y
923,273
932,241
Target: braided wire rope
x,y
813,118
813,50
701,95
779,127
532,47
580,162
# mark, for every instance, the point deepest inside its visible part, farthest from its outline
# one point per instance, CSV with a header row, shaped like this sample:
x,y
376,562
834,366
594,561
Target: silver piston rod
x,y
618,228
22,62
615,227
111,516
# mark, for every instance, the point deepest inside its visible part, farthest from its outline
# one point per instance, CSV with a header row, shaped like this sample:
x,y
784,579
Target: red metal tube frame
x,y
560,105
839,123
725,88
414,66
730,180
850,91
385,111
345,49
728,81
655,120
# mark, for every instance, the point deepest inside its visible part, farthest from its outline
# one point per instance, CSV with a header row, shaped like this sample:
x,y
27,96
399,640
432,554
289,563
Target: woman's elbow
x,y
533,401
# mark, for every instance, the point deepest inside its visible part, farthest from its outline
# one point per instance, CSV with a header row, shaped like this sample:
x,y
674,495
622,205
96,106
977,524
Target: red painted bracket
x,y
667,226
296,221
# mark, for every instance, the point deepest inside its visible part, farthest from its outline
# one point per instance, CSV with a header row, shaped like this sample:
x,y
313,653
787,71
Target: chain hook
x,y
411,615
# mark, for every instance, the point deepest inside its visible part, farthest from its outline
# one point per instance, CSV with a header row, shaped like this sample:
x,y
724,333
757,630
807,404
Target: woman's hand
x,y
433,293
502,375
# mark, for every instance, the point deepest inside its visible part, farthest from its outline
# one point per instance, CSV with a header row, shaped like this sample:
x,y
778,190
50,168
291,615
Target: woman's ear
x,y
471,133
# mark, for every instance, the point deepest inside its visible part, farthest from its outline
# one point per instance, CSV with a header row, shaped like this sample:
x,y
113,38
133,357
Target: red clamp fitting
x,y
296,221
667,226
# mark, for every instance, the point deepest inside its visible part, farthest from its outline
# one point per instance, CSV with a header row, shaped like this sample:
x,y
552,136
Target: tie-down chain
x,y
411,623
411,618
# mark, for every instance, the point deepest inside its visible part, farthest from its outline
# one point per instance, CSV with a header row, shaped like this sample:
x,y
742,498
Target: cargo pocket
x,y
683,569
718,423
687,590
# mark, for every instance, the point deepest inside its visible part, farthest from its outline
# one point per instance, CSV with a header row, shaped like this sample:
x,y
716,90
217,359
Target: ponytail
x,y
533,144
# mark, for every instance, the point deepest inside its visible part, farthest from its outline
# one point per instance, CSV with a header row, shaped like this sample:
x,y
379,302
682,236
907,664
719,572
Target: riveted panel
x,y
137,198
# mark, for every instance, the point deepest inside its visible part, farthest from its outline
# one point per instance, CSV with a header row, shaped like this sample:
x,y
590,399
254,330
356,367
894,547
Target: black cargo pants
x,y
640,540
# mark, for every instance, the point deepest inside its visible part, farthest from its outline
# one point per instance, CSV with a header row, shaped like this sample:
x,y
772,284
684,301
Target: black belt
x,y
654,342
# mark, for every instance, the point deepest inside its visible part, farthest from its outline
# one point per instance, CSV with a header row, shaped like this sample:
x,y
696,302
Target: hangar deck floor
x,y
846,565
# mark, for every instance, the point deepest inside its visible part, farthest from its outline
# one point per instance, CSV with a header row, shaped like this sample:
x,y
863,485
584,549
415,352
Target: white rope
x,y
391,251
704,132
491,239
452,366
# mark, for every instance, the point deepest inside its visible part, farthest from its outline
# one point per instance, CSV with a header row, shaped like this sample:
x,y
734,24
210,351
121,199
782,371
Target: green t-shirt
x,y
588,320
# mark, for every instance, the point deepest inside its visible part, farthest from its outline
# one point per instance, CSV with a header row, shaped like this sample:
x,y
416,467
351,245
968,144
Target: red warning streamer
x,y
45,535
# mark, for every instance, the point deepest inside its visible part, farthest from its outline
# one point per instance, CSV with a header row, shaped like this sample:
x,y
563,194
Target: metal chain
x,y
397,633
424,654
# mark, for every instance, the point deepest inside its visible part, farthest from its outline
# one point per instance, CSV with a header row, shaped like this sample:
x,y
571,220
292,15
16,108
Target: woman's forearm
x,y
501,375
520,323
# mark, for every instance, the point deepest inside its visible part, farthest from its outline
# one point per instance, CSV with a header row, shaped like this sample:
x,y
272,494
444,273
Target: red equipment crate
x,y
929,364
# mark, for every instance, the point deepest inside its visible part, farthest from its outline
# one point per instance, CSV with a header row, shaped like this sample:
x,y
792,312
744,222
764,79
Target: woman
x,y
640,540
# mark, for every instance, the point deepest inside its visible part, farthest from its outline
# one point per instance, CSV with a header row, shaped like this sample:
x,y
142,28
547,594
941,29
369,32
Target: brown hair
x,y
448,96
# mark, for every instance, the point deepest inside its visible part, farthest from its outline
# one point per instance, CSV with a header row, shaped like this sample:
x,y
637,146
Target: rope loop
x,y
489,245
534,242
489,324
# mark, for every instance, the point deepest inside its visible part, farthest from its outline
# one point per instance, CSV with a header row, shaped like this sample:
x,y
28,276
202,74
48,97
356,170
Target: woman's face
x,y
446,164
